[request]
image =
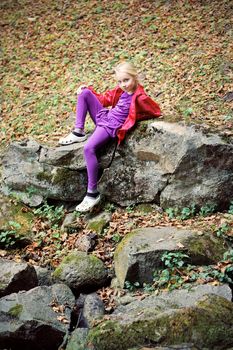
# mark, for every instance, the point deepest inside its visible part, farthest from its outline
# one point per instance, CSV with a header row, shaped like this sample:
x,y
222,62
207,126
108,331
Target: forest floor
x,y
184,51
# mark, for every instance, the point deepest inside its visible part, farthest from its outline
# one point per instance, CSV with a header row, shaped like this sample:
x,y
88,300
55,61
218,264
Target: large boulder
x,y
171,164
43,173
16,276
202,317
138,255
160,162
81,272
37,319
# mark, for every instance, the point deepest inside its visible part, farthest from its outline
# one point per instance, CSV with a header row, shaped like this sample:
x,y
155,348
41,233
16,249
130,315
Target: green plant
x,y
207,209
177,273
130,208
31,191
53,214
131,286
10,237
230,210
187,213
228,255
110,207
172,212
181,214
148,288
116,237
174,260
222,230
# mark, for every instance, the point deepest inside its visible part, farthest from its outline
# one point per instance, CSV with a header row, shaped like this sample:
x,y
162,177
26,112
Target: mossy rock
x,y
139,253
11,210
77,340
81,272
99,222
16,222
206,246
208,324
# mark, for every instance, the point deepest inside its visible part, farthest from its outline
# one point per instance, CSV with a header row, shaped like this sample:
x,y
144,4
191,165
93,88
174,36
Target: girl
x,y
129,103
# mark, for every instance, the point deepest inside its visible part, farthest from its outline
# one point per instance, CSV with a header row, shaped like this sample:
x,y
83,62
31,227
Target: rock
x,y
86,243
88,308
180,297
151,167
70,223
81,272
44,276
93,308
14,217
44,171
170,347
99,222
77,339
204,320
16,276
138,255
37,319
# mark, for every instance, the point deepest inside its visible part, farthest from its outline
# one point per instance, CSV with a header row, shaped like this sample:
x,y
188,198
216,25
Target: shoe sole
x,y
71,142
98,199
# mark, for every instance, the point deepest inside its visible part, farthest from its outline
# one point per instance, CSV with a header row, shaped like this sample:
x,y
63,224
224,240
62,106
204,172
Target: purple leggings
x,y
88,102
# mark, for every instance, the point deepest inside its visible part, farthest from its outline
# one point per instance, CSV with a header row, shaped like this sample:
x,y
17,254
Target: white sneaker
x,y
73,137
88,203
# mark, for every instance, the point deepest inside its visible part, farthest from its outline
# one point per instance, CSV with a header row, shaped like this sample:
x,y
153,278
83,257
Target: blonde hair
x,y
127,67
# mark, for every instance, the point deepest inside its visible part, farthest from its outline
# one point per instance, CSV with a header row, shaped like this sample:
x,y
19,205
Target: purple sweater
x,y
114,118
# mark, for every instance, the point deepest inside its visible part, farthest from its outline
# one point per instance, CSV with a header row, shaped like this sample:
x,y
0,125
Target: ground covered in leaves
x,y
183,49
50,244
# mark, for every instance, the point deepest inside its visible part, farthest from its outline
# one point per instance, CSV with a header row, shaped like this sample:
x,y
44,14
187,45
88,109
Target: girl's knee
x,y
86,92
88,149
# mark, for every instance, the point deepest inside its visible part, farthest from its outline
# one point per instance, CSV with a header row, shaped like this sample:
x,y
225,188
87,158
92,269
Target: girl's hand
x,y
80,88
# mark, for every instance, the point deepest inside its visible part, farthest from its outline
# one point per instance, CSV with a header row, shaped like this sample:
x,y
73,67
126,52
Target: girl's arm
x,y
146,107
107,98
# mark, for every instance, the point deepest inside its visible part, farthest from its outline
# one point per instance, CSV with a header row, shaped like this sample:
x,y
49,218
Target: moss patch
x,y
44,176
97,226
206,246
16,310
11,211
145,208
124,241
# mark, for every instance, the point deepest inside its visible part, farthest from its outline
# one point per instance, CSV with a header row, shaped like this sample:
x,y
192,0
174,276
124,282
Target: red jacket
x,y
142,107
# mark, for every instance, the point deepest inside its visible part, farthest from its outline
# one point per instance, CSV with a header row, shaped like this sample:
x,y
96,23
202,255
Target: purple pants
x,y
88,102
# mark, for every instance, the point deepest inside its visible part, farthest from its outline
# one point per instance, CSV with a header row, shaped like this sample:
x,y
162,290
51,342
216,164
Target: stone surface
x,y
86,243
154,164
36,319
93,308
16,276
77,340
13,213
138,255
44,276
81,272
204,320
38,172
151,166
99,222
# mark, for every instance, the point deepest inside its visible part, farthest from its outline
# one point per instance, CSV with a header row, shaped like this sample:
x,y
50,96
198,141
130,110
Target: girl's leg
x,y
87,102
99,138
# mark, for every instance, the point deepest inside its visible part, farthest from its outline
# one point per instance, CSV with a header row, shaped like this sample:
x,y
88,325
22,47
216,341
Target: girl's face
x,y
126,82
